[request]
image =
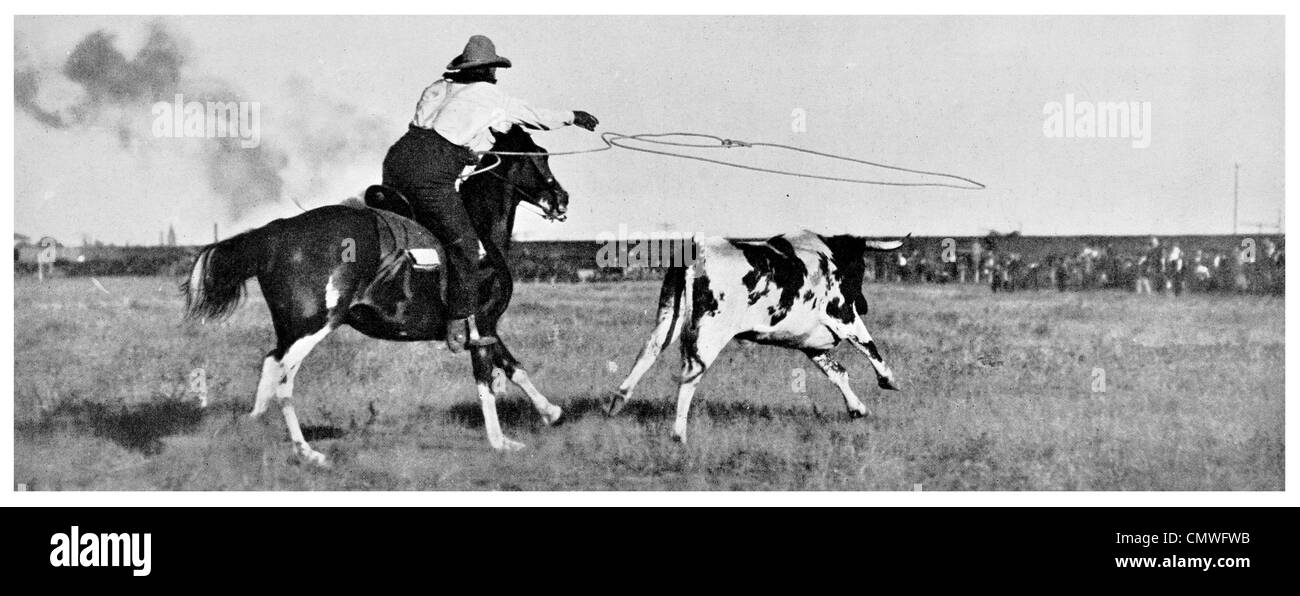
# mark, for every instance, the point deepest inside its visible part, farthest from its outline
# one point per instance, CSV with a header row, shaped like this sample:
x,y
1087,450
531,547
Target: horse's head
x,y
530,175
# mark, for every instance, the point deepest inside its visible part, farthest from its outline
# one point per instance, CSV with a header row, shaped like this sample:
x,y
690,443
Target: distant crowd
x,y
1159,268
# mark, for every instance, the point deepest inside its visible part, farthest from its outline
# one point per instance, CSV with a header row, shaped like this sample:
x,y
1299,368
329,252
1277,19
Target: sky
x,y
962,95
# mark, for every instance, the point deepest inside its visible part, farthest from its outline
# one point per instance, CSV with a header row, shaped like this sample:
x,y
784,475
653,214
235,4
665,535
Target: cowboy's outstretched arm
x,y
545,119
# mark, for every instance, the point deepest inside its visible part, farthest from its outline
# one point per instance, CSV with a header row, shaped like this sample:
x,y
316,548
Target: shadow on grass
x,y
520,412
141,427
321,432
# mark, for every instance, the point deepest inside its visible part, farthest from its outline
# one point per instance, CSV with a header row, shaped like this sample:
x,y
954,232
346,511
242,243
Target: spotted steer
x,y
801,291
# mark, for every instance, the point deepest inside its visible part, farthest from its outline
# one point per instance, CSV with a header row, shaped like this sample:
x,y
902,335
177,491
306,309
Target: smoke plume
x,y
98,86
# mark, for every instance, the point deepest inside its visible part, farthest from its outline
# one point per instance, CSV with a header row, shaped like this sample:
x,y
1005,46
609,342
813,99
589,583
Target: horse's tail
x,y
215,286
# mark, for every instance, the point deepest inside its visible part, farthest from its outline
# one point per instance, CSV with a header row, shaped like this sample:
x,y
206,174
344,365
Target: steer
x,y
801,291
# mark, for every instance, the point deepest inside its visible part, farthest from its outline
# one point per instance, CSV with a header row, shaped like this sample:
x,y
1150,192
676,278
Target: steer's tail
x,y
215,286
671,316
672,296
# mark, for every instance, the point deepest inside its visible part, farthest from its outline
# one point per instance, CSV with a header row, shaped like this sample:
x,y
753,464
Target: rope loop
x,y
620,140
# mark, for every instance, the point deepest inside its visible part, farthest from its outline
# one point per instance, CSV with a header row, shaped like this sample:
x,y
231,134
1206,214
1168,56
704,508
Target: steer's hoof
x,y
616,403
554,416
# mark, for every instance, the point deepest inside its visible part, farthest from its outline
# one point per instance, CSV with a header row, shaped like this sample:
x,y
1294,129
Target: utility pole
x,y
1236,167
214,232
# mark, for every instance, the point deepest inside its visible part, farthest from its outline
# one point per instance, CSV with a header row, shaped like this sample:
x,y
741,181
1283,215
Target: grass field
x,y
998,393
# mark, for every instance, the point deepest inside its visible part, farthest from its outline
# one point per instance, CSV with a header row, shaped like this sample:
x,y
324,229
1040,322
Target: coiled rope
x,y
615,139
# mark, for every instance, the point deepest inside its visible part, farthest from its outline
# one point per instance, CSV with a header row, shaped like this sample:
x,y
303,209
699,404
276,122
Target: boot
x,y
459,329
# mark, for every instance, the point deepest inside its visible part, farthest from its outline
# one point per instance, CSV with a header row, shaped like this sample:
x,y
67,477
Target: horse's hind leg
x,y
271,373
284,392
482,360
278,371
506,361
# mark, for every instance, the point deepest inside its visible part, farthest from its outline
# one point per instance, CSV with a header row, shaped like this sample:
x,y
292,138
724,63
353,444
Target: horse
x,y
347,265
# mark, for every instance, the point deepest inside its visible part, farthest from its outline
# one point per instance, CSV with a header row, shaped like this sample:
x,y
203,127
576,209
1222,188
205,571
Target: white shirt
x,y
466,114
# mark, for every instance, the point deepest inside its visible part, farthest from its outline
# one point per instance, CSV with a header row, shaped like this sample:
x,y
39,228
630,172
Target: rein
x,y
513,188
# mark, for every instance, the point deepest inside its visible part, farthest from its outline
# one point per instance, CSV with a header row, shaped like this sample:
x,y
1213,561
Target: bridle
x,y
528,198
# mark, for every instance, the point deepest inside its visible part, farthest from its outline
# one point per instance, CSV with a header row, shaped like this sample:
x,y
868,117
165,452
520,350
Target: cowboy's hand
x,y
584,120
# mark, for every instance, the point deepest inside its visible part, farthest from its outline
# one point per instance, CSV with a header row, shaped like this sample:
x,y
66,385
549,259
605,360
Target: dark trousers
x,y
424,166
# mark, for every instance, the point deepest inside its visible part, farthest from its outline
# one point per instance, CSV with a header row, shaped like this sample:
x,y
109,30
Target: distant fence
x,y
576,261
561,262
110,261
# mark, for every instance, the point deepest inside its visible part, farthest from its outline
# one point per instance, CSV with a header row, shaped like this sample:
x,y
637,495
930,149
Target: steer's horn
x,y
884,244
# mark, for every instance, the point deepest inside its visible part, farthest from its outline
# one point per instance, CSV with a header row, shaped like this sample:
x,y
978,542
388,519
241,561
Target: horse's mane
x,y
516,139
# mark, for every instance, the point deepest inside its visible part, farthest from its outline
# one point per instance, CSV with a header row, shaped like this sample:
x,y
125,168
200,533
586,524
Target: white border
x,y
680,7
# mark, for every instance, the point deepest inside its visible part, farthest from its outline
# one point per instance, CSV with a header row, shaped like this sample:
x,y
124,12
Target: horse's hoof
x,y
887,383
509,445
854,414
314,458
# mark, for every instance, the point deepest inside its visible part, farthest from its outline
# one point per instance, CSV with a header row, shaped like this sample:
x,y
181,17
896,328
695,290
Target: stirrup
x,y
455,336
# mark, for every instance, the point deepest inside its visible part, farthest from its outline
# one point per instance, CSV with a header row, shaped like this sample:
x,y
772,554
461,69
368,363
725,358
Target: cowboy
x,y
453,124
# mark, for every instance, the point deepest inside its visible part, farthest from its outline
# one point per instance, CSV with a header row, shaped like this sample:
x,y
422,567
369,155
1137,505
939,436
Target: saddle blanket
x,y
429,258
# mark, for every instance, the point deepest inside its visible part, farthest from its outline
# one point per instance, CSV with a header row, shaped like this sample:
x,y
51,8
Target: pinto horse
x,y
338,265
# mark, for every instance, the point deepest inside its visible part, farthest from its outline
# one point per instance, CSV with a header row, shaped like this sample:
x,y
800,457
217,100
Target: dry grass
x,y
997,395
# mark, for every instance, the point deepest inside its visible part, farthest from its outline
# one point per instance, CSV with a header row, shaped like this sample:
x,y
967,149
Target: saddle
x,y
400,236
389,200
397,302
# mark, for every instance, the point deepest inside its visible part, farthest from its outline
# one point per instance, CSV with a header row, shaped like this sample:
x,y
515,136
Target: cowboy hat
x,y
480,51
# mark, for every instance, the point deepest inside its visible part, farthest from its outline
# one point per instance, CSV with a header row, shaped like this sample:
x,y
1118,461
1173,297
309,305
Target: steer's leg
x,y
671,319
482,361
506,361
861,340
836,373
700,346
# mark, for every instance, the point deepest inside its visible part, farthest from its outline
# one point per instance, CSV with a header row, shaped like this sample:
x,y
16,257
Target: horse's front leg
x,y
482,360
502,357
